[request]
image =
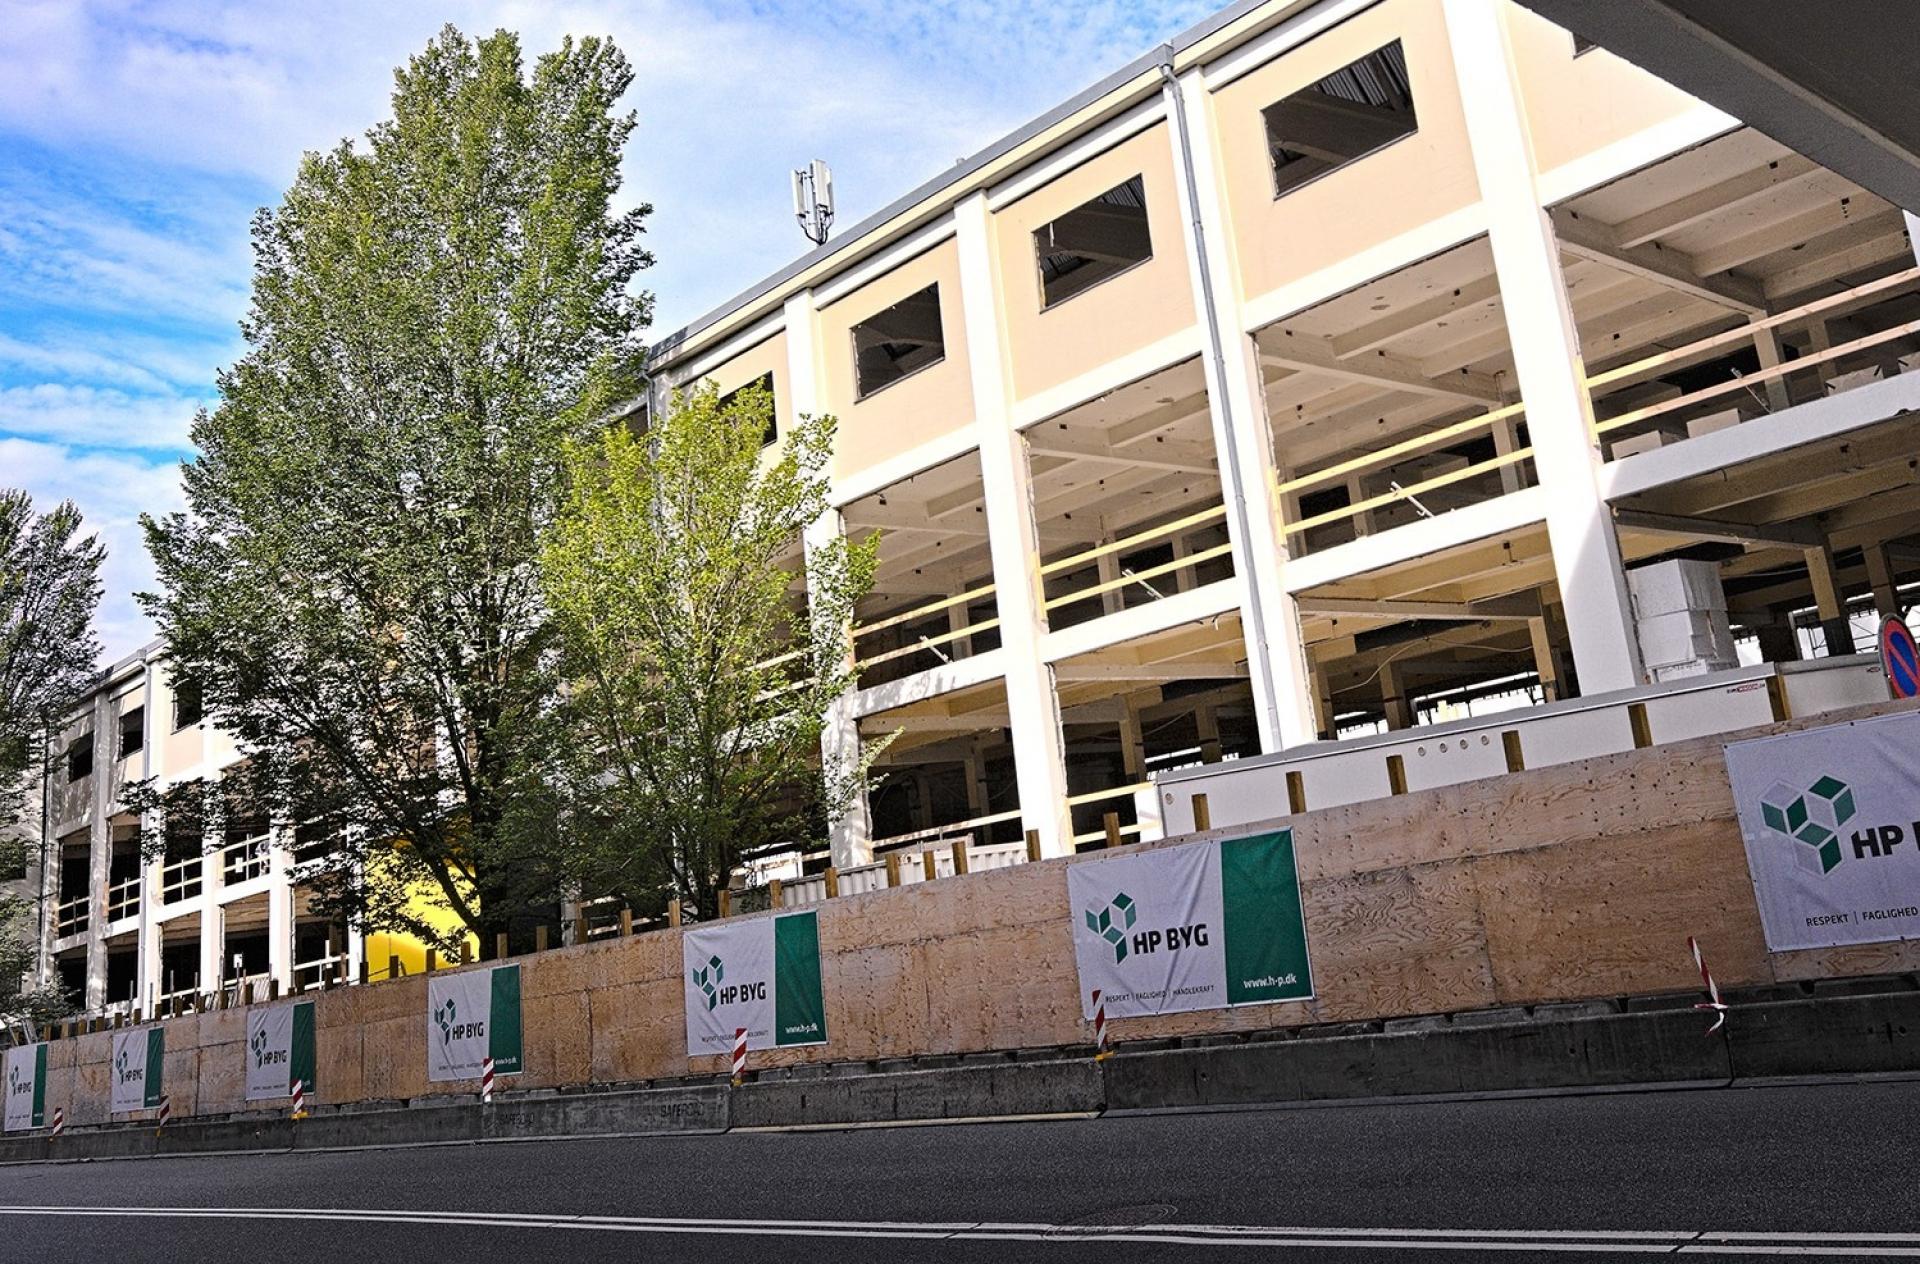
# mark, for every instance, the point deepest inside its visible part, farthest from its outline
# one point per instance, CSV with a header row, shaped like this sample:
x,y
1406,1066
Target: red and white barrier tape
x,y
59,1120
166,1113
1102,1049
299,1099
1713,1001
739,1054
486,1082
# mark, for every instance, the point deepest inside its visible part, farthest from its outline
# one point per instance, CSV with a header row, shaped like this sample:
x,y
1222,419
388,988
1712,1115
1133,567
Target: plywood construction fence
x,y
1568,883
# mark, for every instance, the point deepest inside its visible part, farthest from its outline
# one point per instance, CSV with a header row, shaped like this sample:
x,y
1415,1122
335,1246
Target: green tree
x,y
49,590
697,675
354,585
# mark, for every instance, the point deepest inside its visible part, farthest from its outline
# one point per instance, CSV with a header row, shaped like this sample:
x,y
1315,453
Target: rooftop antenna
x,y
813,200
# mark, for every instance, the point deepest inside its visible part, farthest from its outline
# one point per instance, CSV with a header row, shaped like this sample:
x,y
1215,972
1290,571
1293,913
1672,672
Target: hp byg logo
x,y
707,978
1812,818
259,1045
444,1017
1112,924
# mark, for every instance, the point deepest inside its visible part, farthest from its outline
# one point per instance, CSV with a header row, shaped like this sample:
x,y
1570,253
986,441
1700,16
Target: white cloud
x,y
97,417
112,491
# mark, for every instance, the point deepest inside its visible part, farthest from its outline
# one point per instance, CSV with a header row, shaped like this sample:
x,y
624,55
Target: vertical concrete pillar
x,y
850,831
99,851
1033,705
1546,352
1276,653
280,961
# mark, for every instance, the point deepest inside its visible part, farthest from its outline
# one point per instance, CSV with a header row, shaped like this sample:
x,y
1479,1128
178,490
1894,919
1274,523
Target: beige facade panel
x,y
1576,105
769,356
925,405
1388,192
1124,313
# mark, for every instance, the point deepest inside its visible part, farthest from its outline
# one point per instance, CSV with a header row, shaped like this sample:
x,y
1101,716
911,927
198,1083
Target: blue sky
x,y
137,137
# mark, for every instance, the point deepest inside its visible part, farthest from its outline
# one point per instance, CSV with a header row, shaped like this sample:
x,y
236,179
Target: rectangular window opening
x,y
1353,112
765,383
898,342
80,757
1093,242
133,731
189,703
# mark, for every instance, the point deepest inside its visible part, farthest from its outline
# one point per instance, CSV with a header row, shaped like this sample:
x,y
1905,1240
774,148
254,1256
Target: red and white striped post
x,y
166,1113
739,1055
299,1099
1102,1048
1713,1001
486,1082
59,1121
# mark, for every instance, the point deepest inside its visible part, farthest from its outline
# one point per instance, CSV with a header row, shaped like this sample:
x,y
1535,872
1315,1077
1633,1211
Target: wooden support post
x,y
1766,344
1202,815
540,937
394,968
582,929
1510,744
1207,722
500,948
832,877
273,989
1033,845
673,912
893,868
928,866
776,893
1394,697
366,970
466,952
433,960
626,922
246,992
1886,594
1642,727
1831,602
959,851
1111,823
1396,774
726,902
1296,791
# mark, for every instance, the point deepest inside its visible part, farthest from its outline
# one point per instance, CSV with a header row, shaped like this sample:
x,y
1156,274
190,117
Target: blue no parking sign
x,y
1899,658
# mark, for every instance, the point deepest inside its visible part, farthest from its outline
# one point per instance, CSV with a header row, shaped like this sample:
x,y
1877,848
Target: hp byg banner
x,y
1201,926
1831,819
279,1051
138,1056
26,1087
472,1016
763,975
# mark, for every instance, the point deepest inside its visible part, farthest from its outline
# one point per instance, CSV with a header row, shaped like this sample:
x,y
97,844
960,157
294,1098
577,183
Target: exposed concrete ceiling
x,y
1835,82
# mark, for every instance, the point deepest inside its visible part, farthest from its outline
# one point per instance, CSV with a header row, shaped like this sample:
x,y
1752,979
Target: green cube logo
x,y
1112,924
1812,818
707,978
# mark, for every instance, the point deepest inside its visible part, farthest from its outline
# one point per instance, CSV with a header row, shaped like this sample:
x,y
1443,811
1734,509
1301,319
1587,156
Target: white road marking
x,y
1327,1237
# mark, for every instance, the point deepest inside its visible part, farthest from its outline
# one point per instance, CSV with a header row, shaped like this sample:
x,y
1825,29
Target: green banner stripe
x,y
301,1059
39,1085
503,1022
1266,932
799,1009
156,1064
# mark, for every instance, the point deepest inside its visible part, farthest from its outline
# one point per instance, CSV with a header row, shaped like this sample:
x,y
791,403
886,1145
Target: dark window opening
x,y
1346,116
1093,242
133,731
897,342
189,703
637,422
765,383
80,757
1581,44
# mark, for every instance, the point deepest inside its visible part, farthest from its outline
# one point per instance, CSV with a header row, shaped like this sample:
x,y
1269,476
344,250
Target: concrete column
x,y
1546,353
1830,600
99,852
1033,705
214,966
1393,694
1886,594
850,831
1276,654
280,906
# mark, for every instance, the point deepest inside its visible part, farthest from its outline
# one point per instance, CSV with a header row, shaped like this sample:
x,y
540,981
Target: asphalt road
x,y
1821,1172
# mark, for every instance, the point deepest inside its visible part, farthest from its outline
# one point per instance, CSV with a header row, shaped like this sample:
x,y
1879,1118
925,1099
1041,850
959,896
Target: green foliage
x,y
49,589
698,671
355,582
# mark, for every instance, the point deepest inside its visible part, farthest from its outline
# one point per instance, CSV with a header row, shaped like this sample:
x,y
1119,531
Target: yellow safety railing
x,y
1164,532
